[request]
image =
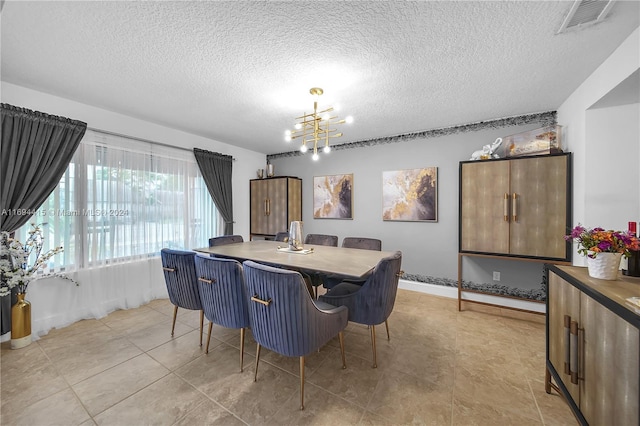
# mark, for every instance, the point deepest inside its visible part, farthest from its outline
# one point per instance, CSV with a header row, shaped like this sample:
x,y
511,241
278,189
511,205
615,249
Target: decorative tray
x,y
288,250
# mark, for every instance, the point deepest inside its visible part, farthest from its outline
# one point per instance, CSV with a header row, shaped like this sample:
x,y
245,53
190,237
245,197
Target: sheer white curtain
x,y
140,201
118,204
121,200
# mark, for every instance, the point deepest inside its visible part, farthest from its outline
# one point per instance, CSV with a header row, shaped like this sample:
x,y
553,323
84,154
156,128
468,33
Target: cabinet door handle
x,y
581,353
574,352
505,206
567,348
268,207
514,207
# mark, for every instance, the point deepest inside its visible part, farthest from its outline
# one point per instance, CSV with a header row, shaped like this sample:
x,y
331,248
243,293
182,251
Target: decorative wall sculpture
x,y
410,195
333,197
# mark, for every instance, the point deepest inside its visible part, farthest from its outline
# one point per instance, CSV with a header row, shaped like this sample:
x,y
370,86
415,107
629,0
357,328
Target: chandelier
x,y
315,128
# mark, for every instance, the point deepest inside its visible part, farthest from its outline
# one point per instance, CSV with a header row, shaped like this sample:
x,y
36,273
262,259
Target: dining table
x,y
348,262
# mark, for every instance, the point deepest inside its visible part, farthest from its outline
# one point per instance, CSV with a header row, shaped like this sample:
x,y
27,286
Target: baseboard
x,y
433,289
452,292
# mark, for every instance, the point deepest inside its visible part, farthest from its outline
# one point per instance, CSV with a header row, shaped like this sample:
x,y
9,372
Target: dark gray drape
x,y
216,172
35,150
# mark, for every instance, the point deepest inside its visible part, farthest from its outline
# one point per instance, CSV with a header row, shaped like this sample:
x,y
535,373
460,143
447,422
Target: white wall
x,y
573,115
612,144
244,168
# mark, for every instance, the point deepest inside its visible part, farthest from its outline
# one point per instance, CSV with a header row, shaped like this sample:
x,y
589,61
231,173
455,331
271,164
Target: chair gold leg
x,y
386,324
373,345
255,376
201,325
206,351
241,348
175,315
344,360
302,382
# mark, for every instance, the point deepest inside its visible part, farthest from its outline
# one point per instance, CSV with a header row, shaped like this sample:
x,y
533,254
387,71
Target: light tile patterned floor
x,y
481,366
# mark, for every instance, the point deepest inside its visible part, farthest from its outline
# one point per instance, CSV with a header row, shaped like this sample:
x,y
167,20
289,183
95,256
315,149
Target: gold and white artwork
x,y
410,195
332,197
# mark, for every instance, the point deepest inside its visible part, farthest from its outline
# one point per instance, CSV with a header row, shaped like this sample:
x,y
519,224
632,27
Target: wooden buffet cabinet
x,y
275,203
593,345
515,208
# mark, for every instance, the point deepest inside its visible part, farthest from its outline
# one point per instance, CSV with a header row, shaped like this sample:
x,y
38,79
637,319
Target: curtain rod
x,y
106,132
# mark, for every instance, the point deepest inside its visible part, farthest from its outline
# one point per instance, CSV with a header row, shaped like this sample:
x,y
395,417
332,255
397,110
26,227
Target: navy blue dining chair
x,y
313,278
225,239
182,285
372,302
363,243
285,319
322,240
282,237
222,291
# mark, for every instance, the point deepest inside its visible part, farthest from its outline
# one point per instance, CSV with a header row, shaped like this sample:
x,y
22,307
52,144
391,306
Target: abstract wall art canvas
x,y
410,195
333,197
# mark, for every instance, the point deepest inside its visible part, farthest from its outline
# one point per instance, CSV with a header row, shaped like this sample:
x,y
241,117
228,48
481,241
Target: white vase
x,y
604,266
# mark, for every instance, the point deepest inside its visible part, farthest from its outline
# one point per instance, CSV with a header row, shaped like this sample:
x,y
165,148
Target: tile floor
x,y
482,366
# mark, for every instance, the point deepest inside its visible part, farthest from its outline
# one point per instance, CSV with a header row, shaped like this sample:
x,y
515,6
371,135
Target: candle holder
x,y
270,172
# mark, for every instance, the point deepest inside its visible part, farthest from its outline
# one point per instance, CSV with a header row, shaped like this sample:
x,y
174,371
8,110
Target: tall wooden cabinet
x,y
593,345
275,203
516,207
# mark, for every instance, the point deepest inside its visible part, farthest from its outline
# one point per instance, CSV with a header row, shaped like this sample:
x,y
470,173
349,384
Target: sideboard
x,y
593,345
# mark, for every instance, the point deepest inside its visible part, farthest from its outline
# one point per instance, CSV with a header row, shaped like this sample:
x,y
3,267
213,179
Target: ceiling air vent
x,y
586,12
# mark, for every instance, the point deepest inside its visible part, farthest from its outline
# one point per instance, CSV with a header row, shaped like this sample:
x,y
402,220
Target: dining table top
x,y
332,260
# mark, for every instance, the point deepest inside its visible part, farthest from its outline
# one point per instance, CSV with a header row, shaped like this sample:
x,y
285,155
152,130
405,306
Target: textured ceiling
x,y
240,72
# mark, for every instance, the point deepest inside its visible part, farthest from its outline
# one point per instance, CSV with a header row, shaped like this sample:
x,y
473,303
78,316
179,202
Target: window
x,y
121,199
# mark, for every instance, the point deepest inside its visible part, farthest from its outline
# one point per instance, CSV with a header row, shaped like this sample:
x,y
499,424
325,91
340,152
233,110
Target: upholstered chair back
x,y
222,291
283,316
225,239
321,240
282,236
371,303
362,243
180,276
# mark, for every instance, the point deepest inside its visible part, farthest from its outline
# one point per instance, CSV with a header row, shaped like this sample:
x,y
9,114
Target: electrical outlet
x,y
496,276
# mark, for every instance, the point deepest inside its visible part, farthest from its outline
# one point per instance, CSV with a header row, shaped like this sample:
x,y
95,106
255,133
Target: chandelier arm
x,y
305,115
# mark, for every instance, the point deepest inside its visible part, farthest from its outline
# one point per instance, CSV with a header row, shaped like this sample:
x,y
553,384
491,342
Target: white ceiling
x,y
240,72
